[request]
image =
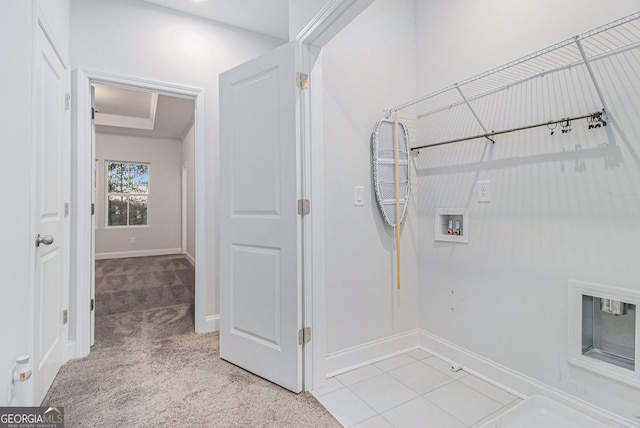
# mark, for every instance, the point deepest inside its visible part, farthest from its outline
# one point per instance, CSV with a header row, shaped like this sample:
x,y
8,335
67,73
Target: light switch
x,y
358,196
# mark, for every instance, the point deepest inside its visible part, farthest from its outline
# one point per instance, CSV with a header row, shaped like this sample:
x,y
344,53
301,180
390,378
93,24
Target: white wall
x,y
17,21
554,216
162,234
368,66
16,248
461,38
188,160
134,38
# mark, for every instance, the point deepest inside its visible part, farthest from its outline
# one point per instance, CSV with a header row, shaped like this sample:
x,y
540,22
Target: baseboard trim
x,y
212,323
371,352
515,382
510,380
71,350
140,253
191,259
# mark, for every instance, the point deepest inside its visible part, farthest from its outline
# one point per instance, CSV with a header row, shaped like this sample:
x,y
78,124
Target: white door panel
x,y
260,293
256,294
51,172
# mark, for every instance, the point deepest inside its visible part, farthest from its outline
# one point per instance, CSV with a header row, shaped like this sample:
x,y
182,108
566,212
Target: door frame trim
x,y
327,23
82,160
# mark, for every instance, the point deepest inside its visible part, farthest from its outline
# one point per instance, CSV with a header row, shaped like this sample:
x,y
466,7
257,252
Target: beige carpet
x,y
148,369
123,285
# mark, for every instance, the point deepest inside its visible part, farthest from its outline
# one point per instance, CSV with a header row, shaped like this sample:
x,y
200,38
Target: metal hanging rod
x,y
597,117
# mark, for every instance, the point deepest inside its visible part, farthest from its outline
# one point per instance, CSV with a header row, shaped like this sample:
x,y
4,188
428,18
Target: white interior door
x,y
51,175
260,264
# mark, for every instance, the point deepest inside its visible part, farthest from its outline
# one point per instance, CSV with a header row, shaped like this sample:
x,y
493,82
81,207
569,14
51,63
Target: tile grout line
x,y
502,407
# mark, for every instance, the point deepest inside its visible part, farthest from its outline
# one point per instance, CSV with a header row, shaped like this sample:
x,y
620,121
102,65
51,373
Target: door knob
x,y
46,240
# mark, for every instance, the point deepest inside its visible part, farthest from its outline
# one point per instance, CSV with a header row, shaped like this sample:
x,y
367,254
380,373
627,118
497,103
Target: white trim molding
x,y
503,377
510,380
371,352
191,259
330,20
212,323
139,253
327,23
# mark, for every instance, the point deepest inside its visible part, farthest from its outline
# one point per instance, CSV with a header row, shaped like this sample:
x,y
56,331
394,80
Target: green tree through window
x,y
127,193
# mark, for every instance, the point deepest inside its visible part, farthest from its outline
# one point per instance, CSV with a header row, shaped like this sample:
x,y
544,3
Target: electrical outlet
x,y
484,191
132,240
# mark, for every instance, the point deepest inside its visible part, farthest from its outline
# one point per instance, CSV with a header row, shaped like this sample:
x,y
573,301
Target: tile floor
x,y
410,390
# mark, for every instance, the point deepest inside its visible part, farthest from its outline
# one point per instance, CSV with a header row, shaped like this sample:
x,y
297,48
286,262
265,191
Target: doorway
x,y
84,160
144,201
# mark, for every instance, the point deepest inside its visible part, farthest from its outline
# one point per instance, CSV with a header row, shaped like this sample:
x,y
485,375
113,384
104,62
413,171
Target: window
x,y
127,193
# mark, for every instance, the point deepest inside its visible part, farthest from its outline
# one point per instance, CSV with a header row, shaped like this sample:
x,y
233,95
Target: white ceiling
x,y
270,17
144,114
120,101
130,112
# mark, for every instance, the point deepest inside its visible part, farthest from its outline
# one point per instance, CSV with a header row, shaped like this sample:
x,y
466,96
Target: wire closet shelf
x,y
616,37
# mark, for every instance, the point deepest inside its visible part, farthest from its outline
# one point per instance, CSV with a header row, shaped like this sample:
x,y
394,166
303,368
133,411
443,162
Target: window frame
x,y
125,194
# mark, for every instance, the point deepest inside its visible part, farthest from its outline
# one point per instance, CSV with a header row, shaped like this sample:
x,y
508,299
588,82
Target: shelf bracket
x,y
473,112
587,64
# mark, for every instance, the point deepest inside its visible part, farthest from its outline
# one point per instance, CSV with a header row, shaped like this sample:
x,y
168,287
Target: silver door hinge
x,y
93,209
67,101
93,304
304,335
66,209
65,316
304,206
302,80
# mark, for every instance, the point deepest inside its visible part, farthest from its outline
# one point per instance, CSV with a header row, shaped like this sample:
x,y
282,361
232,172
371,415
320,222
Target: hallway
x,y
148,368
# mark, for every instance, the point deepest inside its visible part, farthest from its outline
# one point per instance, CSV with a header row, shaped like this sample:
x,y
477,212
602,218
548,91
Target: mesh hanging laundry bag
x,y
383,146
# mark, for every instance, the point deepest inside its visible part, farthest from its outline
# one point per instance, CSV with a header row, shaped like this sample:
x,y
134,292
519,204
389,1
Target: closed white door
x,y
51,175
260,263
